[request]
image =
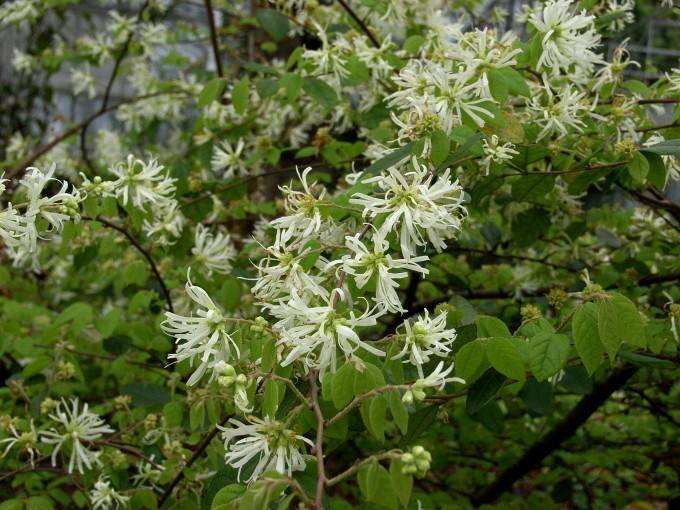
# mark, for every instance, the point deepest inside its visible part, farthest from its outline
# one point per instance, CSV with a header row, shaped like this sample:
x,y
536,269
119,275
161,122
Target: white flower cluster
x,y
43,216
77,430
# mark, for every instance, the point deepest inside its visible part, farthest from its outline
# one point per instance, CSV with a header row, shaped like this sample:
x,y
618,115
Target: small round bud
x,y
407,398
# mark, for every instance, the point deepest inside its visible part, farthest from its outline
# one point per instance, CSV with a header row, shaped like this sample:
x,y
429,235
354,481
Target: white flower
x,y
82,81
268,441
416,206
315,332
167,223
438,378
22,62
229,160
304,215
204,336
215,252
27,441
57,208
558,113
620,13
77,427
105,497
148,474
494,152
673,81
281,272
12,226
363,264
426,337
567,37
142,183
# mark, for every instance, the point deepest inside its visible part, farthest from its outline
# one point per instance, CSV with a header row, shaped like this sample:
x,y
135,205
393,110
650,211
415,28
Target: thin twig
x,y
318,445
142,250
391,454
356,401
213,38
194,457
359,22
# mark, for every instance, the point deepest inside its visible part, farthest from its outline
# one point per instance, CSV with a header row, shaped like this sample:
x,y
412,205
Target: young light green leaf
x,y
273,22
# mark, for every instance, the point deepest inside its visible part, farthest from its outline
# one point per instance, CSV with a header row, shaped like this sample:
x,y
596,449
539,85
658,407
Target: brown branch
x,y
214,42
558,435
318,447
140,249
194,457
359,22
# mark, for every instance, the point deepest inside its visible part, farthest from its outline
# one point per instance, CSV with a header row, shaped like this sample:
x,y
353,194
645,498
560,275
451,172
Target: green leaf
x,y
230,293
441,145
197,415
117,344
173,413
504,356
147,395
658,173
484,390
292,85
488,326
211,91
413,44
638,168
618,321
370,377
586,337
537,396
469,359
268,355
390,159
420,422
39,503
398,410
342,389
240,95
376,417
227,494
548,352
273,22
665,148
402,484
270,399
513,80
379,486
321,91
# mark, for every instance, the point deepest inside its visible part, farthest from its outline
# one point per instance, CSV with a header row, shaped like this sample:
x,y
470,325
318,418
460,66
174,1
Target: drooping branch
x,y
558,435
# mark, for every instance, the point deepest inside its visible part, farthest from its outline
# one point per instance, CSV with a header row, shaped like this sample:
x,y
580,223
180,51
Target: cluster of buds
x,y
530,313
150,422
415,394
65,370
71,208
122,402
226,377
416,462
48,405
260,326
557,297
